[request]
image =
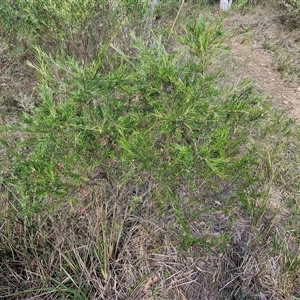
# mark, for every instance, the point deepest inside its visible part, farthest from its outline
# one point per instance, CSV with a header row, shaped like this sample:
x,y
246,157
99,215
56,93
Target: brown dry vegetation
x,y
115,236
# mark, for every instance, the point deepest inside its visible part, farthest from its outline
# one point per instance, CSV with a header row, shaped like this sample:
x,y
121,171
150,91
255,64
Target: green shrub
x,y
78,28
178,151
156,112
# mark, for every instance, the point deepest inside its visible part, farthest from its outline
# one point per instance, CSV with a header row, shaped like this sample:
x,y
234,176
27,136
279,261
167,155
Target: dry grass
x,y
109,244
17,82
102,249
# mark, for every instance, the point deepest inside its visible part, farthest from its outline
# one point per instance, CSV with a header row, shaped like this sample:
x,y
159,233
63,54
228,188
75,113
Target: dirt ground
x,y
269,55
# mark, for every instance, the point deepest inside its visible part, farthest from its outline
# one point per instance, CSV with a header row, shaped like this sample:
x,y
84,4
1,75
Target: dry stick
x,y
182,2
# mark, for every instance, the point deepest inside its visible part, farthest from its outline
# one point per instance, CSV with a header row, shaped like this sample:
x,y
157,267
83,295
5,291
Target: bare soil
x,y
269,55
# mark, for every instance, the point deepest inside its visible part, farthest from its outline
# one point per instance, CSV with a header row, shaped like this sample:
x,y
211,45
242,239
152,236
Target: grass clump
x,y
135,169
